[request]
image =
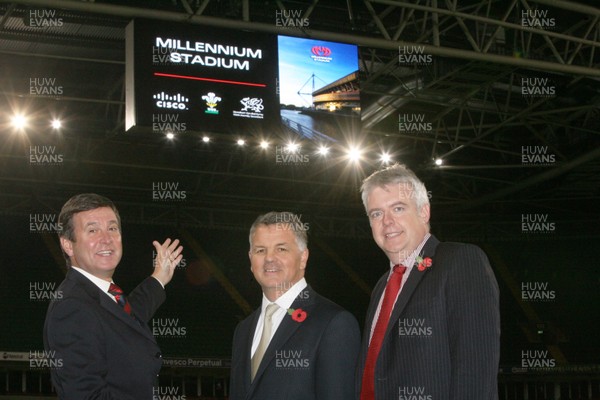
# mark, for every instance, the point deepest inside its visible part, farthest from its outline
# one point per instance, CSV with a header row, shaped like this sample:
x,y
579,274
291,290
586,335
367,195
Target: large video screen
x,y
193,78
318,87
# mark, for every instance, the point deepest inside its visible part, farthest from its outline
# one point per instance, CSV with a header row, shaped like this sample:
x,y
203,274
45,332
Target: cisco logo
x,y
175,102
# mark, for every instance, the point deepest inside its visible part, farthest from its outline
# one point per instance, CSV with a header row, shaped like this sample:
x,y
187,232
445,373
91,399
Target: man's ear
x,y
67,246
424,213
303,259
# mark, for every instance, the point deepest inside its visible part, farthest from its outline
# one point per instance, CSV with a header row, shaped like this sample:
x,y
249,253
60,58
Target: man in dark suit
x,y
298,345
433,325
101,338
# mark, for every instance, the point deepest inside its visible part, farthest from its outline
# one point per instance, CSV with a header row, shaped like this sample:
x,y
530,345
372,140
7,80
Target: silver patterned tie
x,y
264,338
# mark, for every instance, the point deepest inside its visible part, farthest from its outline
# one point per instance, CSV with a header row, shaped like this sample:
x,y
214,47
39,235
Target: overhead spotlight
x,y
56,124
354,154
170,135
386,158
18,121
438,161
292,147
264,144
323,150
241,142
205,139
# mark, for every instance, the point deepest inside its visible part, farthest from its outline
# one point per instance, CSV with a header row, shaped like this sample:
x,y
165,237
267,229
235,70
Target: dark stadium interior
x,y
482,127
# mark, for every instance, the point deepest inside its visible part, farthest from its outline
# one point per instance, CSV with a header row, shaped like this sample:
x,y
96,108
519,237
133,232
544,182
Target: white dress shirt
x,y
409,263
284,302
101,283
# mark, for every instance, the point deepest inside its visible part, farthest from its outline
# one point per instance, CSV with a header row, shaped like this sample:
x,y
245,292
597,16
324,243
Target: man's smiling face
x,y
276,260
97,246
396,224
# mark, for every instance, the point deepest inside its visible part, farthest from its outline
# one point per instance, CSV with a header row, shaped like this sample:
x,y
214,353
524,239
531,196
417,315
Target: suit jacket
x,y
312,359
443,339
105,353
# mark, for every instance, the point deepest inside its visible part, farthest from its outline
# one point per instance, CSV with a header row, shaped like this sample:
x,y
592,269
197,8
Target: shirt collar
x,y
101,283
409,261
286,300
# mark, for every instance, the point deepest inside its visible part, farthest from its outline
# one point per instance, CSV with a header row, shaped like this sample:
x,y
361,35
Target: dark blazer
x,y
105,353
443,340
312,359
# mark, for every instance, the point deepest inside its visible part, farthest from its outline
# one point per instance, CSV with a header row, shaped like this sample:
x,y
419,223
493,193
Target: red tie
x,y
120,297
391,292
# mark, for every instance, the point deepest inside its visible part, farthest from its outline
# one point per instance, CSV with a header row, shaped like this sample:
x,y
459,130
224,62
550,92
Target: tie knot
x,y
399,268
270,310
115,290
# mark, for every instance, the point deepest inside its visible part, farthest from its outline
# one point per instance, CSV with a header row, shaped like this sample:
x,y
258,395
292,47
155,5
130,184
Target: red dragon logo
x,y
321,51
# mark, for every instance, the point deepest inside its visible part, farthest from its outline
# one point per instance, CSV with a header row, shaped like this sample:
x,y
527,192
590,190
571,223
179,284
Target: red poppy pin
x,y
423,263
298,314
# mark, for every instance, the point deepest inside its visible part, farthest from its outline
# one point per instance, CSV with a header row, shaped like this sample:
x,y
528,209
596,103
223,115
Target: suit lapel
x,y
108,304
285,330
411,284
246,349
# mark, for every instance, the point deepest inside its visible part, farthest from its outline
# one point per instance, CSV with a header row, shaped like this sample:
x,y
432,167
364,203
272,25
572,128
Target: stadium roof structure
x,y
508,92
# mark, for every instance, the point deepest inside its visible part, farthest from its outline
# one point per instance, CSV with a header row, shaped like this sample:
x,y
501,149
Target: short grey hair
x,y
391,175
285,218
